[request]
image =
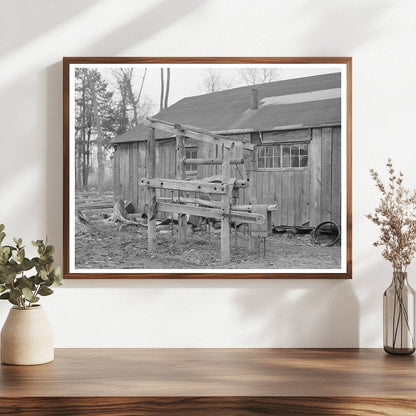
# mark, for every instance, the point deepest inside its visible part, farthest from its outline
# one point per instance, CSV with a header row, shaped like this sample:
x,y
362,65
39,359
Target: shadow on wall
x,y
338,19
45,16
137,30
300,313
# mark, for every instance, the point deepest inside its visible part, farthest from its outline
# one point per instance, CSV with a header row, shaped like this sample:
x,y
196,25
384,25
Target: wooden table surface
x,y
212,381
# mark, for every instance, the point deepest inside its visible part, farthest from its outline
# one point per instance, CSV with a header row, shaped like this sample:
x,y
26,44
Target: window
x,y
191,153
277,156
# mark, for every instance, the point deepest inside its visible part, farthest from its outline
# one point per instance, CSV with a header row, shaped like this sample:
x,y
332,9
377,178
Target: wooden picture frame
x,y
291,139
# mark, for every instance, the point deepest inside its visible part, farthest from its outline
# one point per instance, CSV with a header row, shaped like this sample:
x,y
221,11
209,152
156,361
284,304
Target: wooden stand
x,y
182,204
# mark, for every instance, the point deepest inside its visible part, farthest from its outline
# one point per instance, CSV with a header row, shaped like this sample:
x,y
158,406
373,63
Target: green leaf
x,y
2,236
49,250
27,293
2,227
5,295
24,282
43,274
2,288
58,280
15,294
18,242
26,264
45,291
21,255
37,243
9,277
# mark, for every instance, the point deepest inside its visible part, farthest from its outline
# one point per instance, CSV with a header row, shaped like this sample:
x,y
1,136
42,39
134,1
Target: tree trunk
x,y
84,140
100,147
167,87
162,88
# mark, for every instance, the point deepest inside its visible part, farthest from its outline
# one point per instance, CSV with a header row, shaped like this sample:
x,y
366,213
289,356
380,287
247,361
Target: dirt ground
x,y
108,245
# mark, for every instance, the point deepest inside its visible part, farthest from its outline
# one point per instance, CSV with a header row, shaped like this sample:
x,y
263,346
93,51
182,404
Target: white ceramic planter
x,y
27,337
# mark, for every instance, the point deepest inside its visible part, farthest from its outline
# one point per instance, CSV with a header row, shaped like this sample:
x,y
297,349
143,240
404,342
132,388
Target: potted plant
x,y
27,336
396,217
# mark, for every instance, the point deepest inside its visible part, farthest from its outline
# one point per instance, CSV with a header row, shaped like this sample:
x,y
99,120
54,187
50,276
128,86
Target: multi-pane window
x,y
191,153
282,156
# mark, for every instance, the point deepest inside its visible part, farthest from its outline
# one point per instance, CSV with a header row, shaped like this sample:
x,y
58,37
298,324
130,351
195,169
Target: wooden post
x,y
151,192
226,203
116,174
181,174
249,163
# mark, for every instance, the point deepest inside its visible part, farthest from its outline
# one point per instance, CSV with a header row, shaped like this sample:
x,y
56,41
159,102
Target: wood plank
x,y
116,174
291,202
195,133
151,192
305,198
183,185
315,179
290,136
130,174
297,176
285,197
124,166
163,372
245,217
326,172
142,192
197,201
226,200
135,176
207,406
277,215
336,176
181,175
210,161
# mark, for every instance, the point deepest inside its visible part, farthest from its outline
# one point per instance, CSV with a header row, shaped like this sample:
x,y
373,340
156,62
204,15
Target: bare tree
x,y
252,76
100,140
213,82
125,81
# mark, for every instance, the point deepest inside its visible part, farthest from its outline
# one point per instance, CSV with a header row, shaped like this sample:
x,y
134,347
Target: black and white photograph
x,y
207,168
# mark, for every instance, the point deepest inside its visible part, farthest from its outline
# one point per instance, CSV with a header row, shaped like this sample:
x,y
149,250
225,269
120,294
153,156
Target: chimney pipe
x,y
254,99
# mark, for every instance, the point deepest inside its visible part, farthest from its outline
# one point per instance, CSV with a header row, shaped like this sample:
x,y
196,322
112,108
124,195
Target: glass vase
x,y
399,316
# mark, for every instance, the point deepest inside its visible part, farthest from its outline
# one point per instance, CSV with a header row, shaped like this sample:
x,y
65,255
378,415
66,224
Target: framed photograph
x,y
207,167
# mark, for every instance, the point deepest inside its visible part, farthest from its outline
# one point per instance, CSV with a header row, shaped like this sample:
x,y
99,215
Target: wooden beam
x,y
181,175
249,208
235,216
237,183
226,204
182,185
151,192
198,201
195,133
211,161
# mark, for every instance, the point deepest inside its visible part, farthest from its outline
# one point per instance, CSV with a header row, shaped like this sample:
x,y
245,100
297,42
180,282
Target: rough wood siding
x,y
303,196
325,175
336,176
141,168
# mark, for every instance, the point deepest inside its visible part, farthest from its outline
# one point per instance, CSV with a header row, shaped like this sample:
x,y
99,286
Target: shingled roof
x,y
299,102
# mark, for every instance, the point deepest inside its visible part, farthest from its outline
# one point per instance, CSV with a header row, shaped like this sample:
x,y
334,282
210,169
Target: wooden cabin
x,y
295,125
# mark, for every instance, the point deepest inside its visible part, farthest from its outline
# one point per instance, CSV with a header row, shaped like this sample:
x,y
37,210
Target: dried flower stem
x,y
396,217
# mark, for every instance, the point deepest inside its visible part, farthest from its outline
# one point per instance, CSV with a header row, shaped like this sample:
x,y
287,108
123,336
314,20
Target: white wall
x,y
380,35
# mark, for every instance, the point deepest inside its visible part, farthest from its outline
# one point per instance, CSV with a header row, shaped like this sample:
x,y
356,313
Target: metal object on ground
x,y
327,233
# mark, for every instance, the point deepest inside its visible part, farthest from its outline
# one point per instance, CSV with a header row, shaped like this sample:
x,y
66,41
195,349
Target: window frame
x,y
191,149
281,145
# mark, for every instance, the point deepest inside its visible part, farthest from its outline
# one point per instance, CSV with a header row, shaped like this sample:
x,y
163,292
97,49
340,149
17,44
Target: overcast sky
x,y
188,81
